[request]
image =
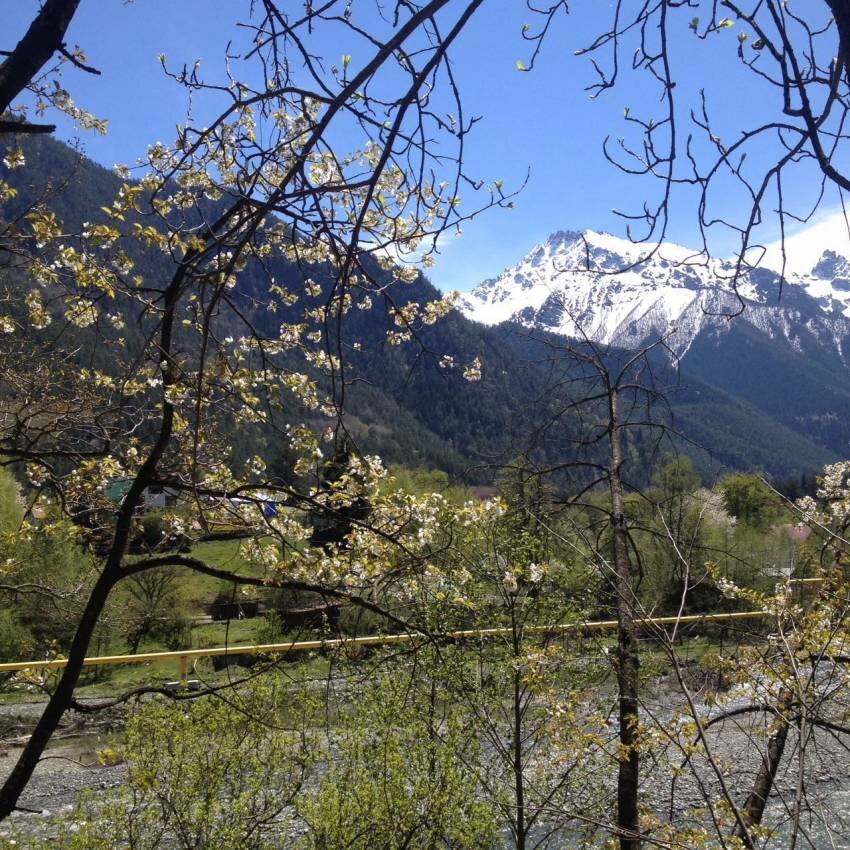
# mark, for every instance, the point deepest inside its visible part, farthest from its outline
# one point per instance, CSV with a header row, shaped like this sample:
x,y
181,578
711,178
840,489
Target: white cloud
x,y
805,246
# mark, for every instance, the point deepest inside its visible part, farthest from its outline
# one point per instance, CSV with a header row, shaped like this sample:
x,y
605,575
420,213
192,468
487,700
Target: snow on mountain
x,y
617,292
829,283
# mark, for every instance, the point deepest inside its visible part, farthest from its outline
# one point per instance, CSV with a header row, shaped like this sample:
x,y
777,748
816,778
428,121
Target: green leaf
x,y
520,65
694,24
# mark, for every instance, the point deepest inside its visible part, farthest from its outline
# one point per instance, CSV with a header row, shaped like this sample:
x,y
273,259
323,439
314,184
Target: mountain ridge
x,y
620,293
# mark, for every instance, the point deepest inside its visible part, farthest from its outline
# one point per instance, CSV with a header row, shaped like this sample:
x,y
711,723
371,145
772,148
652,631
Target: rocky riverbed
x,y
71,766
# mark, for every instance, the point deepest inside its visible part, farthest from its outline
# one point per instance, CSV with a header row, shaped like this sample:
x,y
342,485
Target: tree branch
x,y
45,36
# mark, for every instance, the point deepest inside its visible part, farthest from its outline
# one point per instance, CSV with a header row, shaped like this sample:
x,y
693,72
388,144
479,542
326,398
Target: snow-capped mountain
x,y
622,293
829,283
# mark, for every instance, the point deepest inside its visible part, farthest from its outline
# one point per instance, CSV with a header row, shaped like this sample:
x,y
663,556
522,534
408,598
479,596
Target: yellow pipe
x,y
371,640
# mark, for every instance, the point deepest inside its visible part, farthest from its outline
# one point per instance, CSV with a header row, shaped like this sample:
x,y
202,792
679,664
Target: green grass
x,y
104,681
200,589
195,592
220,634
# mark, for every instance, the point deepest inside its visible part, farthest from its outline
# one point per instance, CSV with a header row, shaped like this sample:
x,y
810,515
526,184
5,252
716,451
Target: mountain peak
x,y
829,283
831,265
622,292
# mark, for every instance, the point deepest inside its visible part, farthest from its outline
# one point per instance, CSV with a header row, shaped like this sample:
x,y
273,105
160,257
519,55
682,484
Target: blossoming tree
x,y
128,347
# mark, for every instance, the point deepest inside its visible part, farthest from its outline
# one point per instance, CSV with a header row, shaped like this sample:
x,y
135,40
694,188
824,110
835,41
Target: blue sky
x,y
541,121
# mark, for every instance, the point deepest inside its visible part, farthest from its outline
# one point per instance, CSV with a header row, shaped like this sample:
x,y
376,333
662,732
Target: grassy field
x,y
193,593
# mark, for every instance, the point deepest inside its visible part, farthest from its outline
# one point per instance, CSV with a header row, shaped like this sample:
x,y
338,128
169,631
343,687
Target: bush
x,y
216,774
152,529
395,784
16,642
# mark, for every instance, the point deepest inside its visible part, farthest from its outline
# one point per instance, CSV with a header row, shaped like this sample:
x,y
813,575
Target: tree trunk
x,y
627,667
753,809
519,778
112,572
60,699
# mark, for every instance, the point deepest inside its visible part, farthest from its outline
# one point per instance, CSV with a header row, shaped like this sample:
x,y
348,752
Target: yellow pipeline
x,y
374,640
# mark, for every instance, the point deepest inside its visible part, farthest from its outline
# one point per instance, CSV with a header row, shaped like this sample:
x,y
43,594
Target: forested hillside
x,y
406,405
